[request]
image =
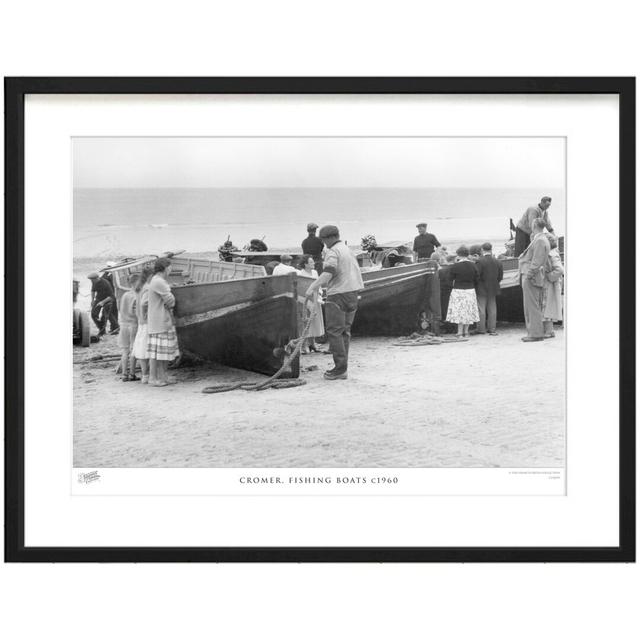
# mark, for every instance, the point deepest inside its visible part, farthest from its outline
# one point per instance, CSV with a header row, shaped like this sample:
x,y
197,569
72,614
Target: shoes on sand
x,y
332,374
530,339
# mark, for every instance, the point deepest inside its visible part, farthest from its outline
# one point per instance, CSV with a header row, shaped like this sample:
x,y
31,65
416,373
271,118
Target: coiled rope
x,y
272,382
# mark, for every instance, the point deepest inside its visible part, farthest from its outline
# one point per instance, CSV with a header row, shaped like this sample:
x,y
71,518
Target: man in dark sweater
x,y
424,244
102,299
490,274
313,246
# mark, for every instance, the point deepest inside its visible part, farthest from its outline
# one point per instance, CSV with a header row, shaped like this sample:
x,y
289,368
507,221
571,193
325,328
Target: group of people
x,y
467,287
146,324
472,279
470,283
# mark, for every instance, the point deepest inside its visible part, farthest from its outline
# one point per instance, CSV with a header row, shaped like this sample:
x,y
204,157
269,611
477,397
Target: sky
x,y
319,162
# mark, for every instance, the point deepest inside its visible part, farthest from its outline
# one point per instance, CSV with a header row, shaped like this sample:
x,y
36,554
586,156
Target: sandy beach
x,y
481,403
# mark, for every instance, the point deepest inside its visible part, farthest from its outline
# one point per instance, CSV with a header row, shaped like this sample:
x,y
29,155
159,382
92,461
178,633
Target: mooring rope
x,y
272,382
425,340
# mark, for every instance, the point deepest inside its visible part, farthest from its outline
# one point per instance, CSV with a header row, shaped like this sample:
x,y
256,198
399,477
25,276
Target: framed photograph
x,y
320,319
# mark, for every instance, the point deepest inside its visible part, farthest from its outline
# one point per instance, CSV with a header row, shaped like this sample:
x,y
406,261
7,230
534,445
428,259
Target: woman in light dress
x,y
316,329
463,303
552,293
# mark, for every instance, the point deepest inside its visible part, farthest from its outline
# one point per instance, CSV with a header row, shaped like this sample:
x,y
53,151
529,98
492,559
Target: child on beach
x,y
463,304
142,310
128,321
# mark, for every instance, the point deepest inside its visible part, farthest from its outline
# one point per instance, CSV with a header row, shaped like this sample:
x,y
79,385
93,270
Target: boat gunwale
x,y
234,280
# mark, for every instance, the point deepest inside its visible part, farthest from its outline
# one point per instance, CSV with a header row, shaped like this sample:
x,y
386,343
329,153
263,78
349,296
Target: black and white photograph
x,y
319,302
363,321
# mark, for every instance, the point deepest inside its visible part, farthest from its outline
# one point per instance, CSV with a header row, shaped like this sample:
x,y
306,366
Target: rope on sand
x,y
418,340
272,382
254,386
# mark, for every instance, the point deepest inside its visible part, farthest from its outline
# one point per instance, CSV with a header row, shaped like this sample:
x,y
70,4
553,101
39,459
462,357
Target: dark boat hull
x,y
509,304
241,323
391,302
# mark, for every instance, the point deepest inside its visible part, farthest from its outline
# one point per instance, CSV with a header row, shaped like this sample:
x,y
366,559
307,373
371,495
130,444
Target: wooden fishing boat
x,y
262,258
228,312
235,314
392,299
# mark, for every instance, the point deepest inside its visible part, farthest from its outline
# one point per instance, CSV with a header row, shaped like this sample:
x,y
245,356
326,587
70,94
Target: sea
x,y
114,223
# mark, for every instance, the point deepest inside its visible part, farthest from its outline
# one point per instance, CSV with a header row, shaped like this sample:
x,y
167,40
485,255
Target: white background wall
x,y
328,38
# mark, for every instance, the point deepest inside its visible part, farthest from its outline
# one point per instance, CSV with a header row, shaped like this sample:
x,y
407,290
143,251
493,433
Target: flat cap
x,y
312,226
93,275
285,257
421,224
328,231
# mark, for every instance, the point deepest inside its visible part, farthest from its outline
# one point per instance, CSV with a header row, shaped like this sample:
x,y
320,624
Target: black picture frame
x,y
15,91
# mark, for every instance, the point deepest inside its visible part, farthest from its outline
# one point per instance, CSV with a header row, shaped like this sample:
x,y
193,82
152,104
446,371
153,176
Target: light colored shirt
x,y
127,308
534,258
530,215
283,269
161,301
344,270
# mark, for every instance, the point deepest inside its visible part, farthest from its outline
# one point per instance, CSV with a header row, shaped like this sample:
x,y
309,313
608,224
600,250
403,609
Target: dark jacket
x,y
446,279
490,274
464,275
424,245
313,246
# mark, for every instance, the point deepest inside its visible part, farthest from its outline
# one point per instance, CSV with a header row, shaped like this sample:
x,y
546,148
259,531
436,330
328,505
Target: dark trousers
x,y
487,310
340,310
532,300
100,315
523,240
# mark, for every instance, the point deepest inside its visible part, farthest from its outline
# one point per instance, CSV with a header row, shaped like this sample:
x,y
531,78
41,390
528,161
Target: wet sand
x,y
488,402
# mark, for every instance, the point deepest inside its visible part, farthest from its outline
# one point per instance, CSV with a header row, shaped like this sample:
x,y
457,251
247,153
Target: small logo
x,y
86,478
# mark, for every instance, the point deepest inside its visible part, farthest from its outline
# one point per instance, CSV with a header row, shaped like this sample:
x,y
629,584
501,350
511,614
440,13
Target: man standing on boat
x,y
424,244
341,276
313,246
532,272
524,227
